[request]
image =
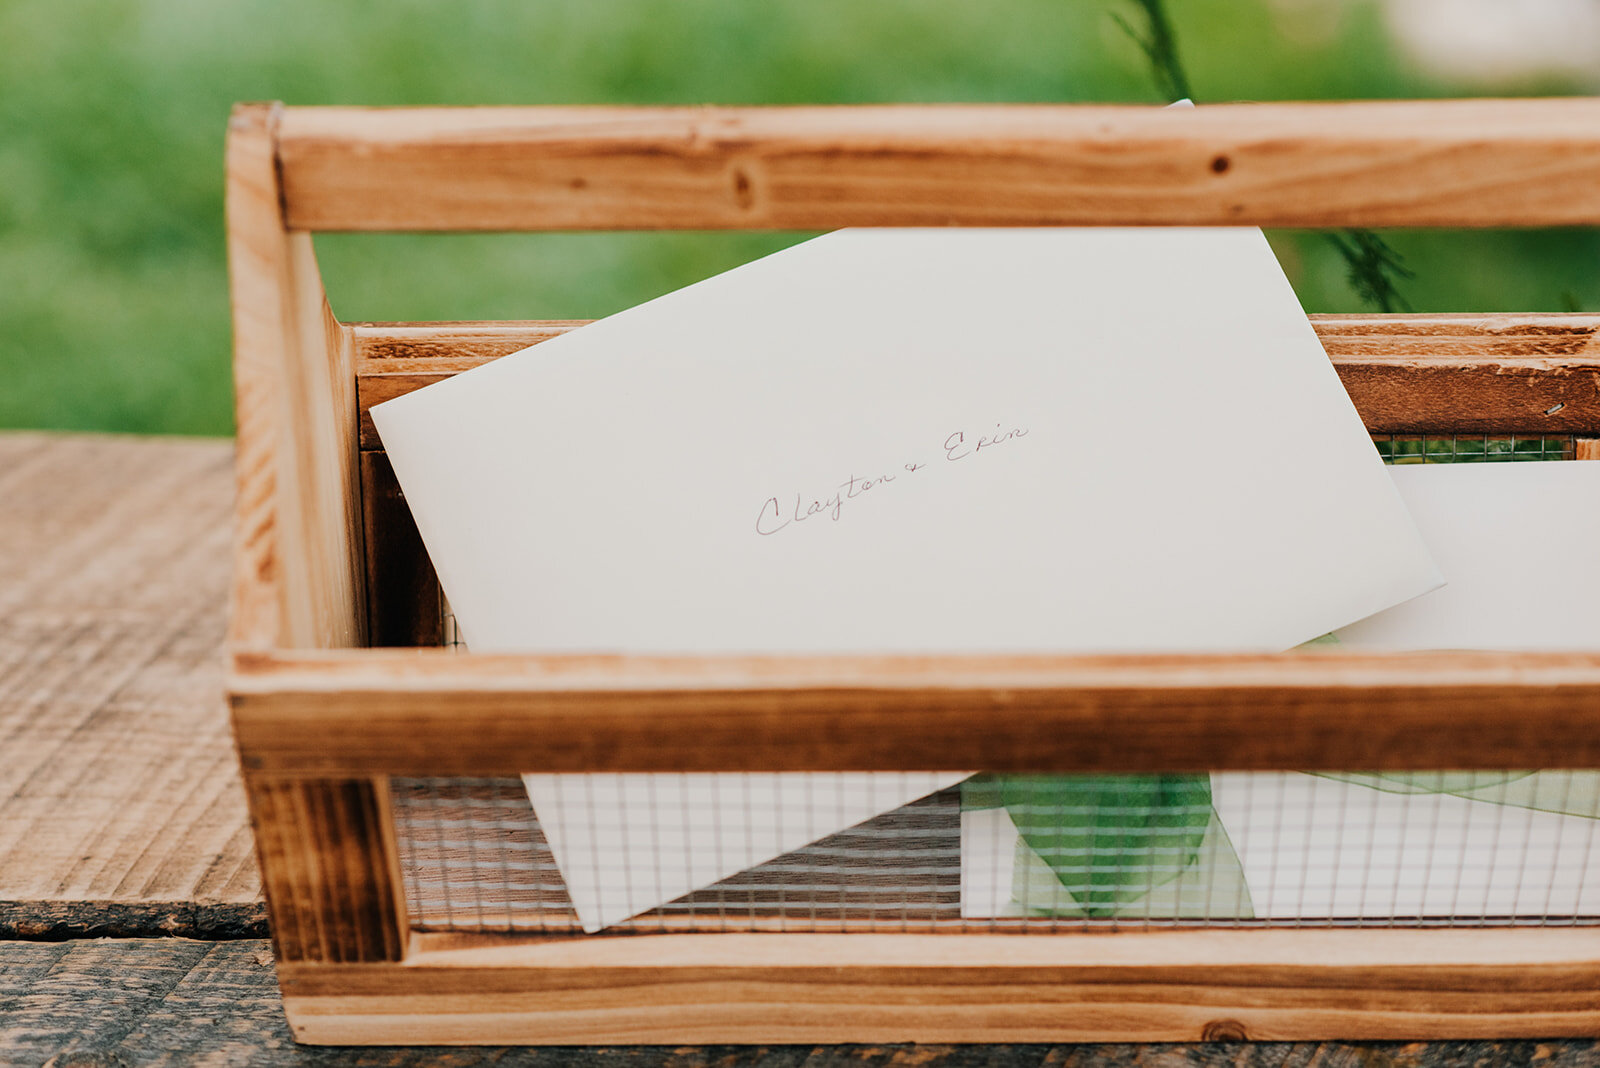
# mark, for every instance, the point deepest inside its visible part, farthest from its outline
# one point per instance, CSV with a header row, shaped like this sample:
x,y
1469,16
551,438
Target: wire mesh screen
x,y
918,851
1044,852
900,868
1417,449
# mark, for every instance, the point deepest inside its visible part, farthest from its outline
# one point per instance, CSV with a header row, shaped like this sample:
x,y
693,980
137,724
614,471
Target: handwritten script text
x,y
778,513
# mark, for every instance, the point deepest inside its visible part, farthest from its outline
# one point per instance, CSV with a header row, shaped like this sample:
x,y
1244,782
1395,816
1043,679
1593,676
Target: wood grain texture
x,y
1468,374
403,601
1387,163
330,869
120,804
59,921
298,569
171,1002
393,359
435,712
166,1001
1132,986
1406,374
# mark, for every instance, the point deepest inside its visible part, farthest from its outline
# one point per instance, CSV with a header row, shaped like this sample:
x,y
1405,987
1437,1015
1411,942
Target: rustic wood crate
x,y
332,586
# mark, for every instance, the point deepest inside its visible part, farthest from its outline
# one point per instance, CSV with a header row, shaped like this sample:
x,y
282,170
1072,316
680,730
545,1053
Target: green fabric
x,y
1099,846
1105,842
1569,793
1211,885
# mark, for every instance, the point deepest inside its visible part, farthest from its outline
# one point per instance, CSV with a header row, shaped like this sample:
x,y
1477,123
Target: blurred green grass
x,y
113,293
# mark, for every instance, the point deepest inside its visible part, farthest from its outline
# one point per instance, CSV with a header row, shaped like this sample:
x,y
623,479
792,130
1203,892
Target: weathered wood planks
x,y
120,804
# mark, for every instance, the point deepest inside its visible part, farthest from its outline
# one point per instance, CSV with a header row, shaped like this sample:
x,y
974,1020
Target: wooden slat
x,y
120,804
1384,163
172,1001
393,359
298,570
255,269
329,865
435,712
1138,986
1407,374
1468,374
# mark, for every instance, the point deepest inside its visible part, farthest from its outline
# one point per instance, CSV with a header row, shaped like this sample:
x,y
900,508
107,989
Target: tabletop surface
x,y
131,925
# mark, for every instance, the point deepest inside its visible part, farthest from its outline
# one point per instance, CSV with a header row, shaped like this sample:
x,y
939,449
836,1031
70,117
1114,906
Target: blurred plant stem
x,y
1372,266
1370,263
1160,47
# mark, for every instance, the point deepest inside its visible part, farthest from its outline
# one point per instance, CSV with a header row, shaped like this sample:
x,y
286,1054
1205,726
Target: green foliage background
x,y
113,293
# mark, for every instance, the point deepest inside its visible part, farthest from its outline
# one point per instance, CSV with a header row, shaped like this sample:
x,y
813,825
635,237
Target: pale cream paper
x,y
1513,539
906,441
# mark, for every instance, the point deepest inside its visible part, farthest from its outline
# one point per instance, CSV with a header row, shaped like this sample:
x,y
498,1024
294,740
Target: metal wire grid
x,y
1235,850
1455,449
1049,852
474,857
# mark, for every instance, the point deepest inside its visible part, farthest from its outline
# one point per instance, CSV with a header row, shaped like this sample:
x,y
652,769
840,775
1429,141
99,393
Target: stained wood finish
x,y
298,568
1133,986
120,803
1468,374
1406,374
329,863
320,729
393,359
172,1001
403,603
1388,163
434,712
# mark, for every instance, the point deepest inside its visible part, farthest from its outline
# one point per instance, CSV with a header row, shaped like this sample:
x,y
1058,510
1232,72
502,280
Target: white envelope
x,y
1510,538
909,441
729,468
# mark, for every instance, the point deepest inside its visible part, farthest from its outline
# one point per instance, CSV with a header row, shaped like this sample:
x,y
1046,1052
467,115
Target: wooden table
x,y
131,925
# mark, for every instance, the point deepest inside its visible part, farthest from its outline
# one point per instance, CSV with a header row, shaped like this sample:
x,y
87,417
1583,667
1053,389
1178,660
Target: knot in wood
x,y
1224,1031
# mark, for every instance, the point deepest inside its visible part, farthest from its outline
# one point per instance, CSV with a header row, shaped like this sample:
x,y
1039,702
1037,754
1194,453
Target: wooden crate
x,y
328,566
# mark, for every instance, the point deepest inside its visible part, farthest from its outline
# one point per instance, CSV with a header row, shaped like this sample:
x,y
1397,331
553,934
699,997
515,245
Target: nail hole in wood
x,y
1220,165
